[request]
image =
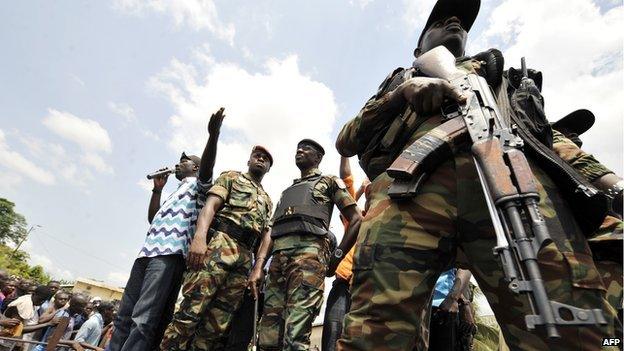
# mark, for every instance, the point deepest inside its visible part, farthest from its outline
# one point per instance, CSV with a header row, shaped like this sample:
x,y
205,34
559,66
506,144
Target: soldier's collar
x,y
249,177
314,172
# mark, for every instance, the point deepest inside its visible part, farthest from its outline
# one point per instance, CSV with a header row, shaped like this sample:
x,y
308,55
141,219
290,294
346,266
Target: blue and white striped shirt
x,y
173,225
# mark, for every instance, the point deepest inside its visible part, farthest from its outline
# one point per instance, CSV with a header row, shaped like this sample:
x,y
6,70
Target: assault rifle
x,y
506,179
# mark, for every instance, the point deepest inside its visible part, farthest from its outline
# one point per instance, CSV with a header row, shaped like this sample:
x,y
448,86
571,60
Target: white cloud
x,y
124,110
17,163
118,278
276,108
145,184
579,50
197,14
415,13
55,271
97,162
87,133
361,3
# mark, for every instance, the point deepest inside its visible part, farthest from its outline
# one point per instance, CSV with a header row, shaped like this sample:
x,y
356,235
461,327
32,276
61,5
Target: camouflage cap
x,y
465,10
265,150
195,159
316,145
577,122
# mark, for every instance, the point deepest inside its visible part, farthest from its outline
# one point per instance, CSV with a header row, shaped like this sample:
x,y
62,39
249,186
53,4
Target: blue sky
x,y
97,94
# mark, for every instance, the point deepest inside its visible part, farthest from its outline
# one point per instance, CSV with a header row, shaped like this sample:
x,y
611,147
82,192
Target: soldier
x,y
606,243
238,210
404,246
299,238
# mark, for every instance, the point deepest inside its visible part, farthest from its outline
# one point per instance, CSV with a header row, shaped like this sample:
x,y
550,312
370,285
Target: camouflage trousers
x,y
210,297
606,245
404,246
293,298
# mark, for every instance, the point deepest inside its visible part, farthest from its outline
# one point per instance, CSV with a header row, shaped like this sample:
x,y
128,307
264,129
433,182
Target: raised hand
x,y
214,126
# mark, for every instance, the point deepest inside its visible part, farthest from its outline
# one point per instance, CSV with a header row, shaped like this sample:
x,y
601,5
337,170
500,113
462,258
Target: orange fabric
x,y
344,269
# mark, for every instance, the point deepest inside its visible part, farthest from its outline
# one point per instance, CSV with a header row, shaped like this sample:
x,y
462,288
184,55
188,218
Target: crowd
x,y
33,312
248,273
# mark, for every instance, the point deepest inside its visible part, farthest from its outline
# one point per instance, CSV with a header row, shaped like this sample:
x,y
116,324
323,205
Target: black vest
x,y
299,212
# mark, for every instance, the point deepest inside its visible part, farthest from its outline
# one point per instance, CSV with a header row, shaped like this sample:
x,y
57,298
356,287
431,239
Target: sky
x,y
95,95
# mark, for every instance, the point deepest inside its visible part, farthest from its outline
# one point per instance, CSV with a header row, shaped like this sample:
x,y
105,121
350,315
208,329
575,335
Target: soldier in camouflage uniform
x,y
403,246
301,256
237,211
606,243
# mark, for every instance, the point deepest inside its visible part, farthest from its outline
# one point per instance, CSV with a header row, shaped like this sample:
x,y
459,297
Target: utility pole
x,y
24,239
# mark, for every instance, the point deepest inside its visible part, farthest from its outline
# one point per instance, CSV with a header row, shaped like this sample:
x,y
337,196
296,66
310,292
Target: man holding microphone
x,y
152,289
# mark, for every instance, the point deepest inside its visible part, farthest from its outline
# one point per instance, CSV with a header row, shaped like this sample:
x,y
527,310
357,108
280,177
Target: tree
x,y
17,263
12,224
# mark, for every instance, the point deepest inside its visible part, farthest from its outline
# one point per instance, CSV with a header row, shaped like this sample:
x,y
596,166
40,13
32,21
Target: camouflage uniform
x,y
294,290
402,247
606,243
213,294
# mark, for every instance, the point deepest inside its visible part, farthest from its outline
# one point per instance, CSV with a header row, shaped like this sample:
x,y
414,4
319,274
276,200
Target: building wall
x,y
93,290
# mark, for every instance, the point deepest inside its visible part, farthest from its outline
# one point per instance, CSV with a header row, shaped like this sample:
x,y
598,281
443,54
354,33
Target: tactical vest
x,y
299,212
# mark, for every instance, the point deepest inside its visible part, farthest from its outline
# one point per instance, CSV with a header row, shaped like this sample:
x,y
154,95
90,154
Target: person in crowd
x,y
91,330
25,310
76,306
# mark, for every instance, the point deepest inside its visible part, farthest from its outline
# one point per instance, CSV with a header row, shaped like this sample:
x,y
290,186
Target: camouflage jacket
x,y
368,134
245,201
584,163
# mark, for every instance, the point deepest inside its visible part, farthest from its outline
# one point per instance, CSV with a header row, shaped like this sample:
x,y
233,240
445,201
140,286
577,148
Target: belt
x,y
244,237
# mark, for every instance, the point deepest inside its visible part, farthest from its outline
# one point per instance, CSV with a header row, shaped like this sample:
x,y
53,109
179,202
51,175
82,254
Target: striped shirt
x,y
173,226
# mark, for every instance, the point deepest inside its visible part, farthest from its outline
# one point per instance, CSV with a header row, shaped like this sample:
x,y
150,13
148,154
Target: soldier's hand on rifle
x,y
449,304
426,95
214,126
197,253
255,280
160,181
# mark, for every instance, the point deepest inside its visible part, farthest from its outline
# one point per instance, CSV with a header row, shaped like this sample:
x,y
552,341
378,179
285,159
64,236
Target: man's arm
x,y
588,166
32,328
345,167
354,217
84,331
449,304
154,205
199,245
256,276
210,151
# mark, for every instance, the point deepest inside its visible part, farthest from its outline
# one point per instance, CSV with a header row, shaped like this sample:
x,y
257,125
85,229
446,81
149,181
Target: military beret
x,y
314,144
265,150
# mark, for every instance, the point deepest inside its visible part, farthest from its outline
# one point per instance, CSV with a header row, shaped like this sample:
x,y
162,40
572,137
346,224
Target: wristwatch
x,y
338,253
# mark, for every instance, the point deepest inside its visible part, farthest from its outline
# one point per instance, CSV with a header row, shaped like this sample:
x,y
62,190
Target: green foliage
x,y
17,264
13,230
12,224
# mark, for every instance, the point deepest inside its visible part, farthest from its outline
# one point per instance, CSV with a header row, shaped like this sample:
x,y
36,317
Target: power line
x,y
84,253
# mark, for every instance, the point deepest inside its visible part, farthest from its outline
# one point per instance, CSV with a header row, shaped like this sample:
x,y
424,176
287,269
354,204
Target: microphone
x,y
162,172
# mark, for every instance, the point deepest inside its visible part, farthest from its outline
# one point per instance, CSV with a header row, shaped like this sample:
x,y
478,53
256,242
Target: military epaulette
x,y
339,182
231,173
